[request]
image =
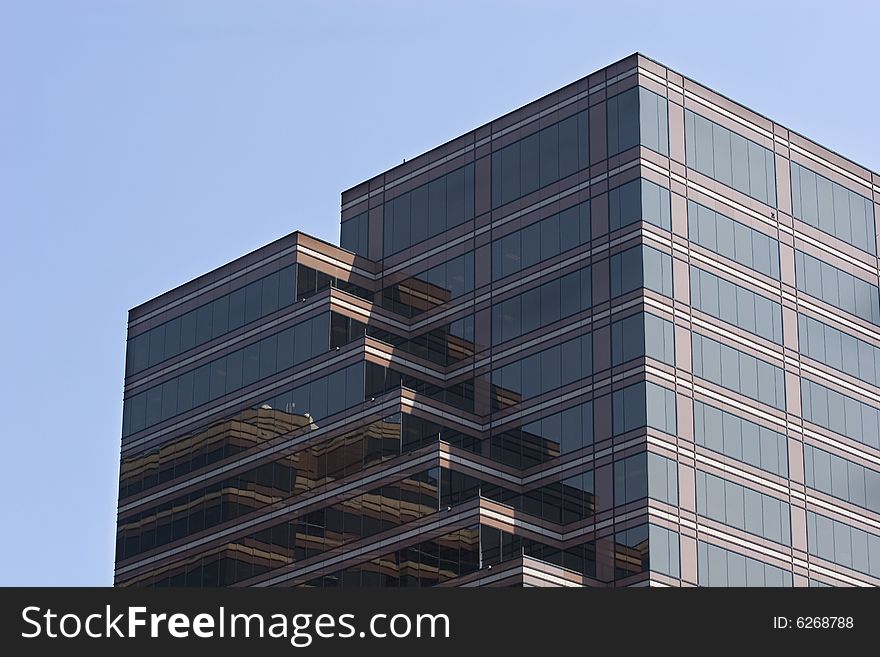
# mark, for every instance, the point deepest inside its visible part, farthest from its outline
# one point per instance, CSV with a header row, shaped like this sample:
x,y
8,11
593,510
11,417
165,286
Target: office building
x,y
626,335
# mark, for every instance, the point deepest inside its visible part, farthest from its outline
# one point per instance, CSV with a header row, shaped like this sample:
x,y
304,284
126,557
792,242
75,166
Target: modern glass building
x,y
626,335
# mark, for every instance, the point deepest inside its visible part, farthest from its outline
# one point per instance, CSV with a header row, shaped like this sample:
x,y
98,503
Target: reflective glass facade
x,y
625,335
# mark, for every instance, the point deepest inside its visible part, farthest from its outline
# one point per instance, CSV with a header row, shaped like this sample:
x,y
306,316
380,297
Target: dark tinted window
x,y
843,544
839,349
733,240
552,153
641,335
229,373
720,567
740,439
639,200
641,266
840,413
738,371
541,240
211,320
542,372
643,404
736,305
535,308
428,210
833,208
837,287
355,234
637,116
744,508
730,158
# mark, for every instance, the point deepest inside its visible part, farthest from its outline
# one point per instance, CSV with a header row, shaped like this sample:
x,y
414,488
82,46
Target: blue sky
x,y
143,143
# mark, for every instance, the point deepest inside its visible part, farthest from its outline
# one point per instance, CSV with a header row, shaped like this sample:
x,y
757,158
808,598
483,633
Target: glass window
x,y
188,328
628,407
841,478
860,424
662,479
529,164
698,142
720,567
641,266
539,159
418,208
656,207
843,544
135,412
627,339
354,234
251,369
185,392
626,271
624,204
571,360
622,112
660,408
550,237
437,206
234,371
157,344
549,155
722,154
336,397
253,306
204,317
541,240
738,371
643,404
220,308
428,210
653,121
630,479
631,551
739,160
201,389
268,353
664,547
217,382
138,353
169,398
530,313
744,508
229,373
285,349
573,144
574,226
639,200
550,302
736,305
237,307
551,369
269,295
507,160
657,271
576,427
542,372
837,287
730,158
833,208
505,256
209,321
541,306
432,287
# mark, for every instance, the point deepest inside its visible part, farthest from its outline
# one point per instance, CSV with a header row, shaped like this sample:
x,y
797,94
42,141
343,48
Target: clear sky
x,y
143,143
